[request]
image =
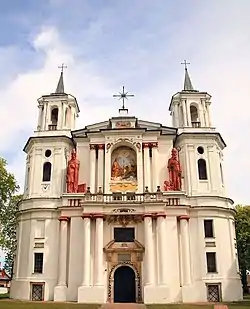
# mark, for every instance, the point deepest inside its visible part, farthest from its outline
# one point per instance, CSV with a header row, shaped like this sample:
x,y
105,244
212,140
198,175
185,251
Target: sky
x,y
136,43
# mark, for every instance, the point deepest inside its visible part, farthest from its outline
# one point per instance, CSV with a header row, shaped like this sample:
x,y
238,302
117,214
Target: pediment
x,y
134,246
121,123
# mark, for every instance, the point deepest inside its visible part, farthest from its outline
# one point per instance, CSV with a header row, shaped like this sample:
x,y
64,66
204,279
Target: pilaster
x,y
92,168
100,167
155,166
60,290
149,250
147,170
185,250
161,235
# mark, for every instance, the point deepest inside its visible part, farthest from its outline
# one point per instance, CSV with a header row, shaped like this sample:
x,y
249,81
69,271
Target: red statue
x,y
73,173
174,171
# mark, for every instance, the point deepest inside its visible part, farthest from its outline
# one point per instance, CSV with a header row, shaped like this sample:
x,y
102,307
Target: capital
x,y
63,218
184,217
86,216
161,214
98,216
100,146
92,146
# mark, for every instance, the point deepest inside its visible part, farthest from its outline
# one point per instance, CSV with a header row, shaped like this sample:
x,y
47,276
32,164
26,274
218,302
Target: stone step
x,y
220,306
123,306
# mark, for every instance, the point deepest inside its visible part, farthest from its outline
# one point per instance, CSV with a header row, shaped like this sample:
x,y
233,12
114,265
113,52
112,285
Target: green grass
x,y
10,304
4,296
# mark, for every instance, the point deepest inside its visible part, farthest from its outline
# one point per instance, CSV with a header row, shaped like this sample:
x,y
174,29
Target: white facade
x,y
80,259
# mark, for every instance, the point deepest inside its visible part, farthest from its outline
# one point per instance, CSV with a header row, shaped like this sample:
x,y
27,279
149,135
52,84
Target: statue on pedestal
x,y
174,171
73,173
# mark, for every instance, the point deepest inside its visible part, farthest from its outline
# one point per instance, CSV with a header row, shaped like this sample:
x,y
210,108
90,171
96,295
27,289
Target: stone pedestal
x,y
60,293
156,294
91,294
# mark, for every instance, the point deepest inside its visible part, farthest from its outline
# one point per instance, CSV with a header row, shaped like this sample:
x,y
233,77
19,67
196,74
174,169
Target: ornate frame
x,y
111,281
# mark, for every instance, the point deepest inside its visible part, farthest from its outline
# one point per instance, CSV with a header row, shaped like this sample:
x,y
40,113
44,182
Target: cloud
x,y
141,47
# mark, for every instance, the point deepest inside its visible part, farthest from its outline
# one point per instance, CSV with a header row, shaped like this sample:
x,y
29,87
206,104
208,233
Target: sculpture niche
x,y
174,171
73,173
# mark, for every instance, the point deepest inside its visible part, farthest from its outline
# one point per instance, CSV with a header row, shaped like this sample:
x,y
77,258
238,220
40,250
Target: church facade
x,y
126,210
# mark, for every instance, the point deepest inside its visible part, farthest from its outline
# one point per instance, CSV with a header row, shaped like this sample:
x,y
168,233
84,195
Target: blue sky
x,y
136,43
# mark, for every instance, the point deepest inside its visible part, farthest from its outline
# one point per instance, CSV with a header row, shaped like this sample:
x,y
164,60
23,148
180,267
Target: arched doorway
x,y
124,285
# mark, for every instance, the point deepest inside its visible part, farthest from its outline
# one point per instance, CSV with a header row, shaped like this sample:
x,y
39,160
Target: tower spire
x,y
60,85
187,80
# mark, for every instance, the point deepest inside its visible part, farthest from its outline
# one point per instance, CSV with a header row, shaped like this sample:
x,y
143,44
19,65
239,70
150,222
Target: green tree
x,y
242,226
8,209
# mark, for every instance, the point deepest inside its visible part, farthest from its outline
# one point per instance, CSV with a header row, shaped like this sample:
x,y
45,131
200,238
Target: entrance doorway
x,y
124,285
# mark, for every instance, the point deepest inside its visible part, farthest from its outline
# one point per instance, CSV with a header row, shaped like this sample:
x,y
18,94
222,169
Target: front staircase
x,y
123,306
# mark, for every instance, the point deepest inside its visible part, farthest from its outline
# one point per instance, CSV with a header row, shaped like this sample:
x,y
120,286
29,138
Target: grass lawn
x,y
9,304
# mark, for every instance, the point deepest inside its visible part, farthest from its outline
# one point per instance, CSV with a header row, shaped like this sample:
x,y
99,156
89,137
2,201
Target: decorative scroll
x,y
123,124
175,173
124,216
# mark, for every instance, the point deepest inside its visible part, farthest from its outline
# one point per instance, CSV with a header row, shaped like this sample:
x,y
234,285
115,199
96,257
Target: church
x,y
126,210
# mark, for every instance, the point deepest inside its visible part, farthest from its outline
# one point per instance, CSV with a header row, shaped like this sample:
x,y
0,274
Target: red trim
x,y
63,218
161,214
150,145
98,216
87,215
184,217
101,146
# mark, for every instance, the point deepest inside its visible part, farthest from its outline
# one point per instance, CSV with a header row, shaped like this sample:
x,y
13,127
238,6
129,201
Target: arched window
x,y
54,116
46,171
194,114
202,169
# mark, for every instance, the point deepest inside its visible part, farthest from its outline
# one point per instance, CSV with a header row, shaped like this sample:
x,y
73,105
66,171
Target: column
x,y
189,122
44,120
176,112
161,235
155,166
100,165
92,167
99,249
203,119
149,250
183,102
40,115
185,248
86,250
63,250
208,116
147,174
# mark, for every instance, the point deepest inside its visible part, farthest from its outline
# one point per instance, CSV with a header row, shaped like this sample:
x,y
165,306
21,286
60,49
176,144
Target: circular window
x,y
200,150
47,153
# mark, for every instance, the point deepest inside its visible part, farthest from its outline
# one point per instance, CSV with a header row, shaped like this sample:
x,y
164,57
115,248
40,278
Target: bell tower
x,y
57,111
190,108
201,146
49,147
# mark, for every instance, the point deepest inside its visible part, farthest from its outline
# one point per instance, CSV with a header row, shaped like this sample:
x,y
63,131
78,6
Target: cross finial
x,y
185,64
122,96
62,67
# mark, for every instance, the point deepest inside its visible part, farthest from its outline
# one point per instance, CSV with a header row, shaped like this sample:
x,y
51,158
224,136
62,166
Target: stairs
x,y
123,306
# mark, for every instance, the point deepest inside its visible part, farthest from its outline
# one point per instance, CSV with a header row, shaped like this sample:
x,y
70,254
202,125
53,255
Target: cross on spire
x,y
185,64
62,67
122,96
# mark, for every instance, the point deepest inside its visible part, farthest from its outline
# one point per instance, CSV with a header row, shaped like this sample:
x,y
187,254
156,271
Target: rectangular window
x,y
40,229
208,228
38,263
211,262
124,234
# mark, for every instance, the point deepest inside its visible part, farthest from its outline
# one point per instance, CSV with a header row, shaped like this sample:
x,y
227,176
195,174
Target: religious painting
x,y
123,165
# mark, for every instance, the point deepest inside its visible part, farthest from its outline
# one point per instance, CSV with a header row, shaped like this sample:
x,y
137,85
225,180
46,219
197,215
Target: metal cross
x,y
62,67
122,96
185,63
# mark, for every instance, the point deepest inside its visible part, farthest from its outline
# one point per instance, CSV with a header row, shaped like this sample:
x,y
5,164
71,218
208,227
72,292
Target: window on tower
x,y
208,228
194,116
46,171
202,169
54,119
124,234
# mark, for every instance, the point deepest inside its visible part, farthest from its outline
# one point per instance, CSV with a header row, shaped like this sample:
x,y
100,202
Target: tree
x,y
242,227
8,209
